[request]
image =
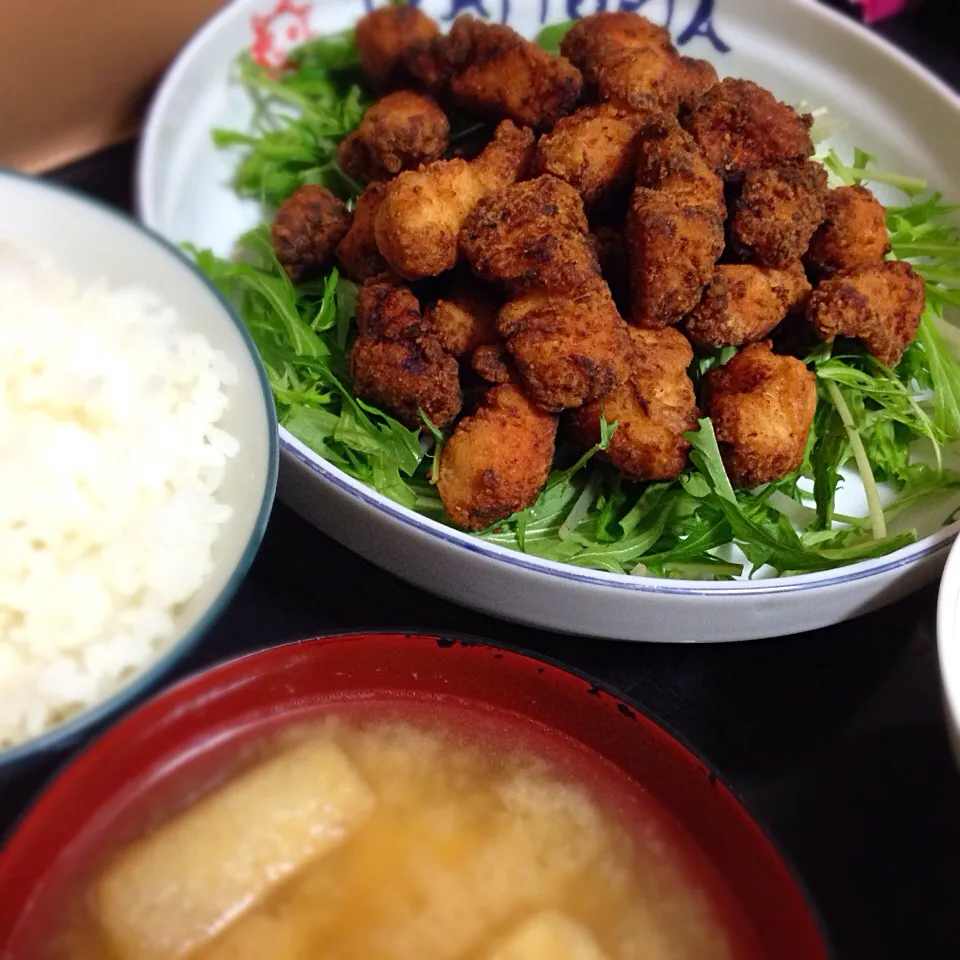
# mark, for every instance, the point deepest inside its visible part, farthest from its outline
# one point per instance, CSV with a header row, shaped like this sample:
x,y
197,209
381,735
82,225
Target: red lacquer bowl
x,y
279,684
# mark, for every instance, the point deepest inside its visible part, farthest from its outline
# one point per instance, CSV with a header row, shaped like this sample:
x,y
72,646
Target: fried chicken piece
x,y
464,319
672,251
569,347
880,304
853,233
740,125
492,362
419,220
762,407
778,211
384,37
530,234
358,255
653,409
397,362
490,70
610,248
399,132
629,60
497,460
594,150
306,229
670,161
744,303
697,78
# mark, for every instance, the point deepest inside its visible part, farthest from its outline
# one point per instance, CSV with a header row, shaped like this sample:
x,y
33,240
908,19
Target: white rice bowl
x,y
109,511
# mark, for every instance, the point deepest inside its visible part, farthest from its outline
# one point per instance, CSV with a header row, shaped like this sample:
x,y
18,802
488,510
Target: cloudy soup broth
x,y
378,831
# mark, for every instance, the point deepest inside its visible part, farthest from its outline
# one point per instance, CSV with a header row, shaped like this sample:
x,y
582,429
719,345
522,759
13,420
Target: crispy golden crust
x,y
419,219
569,348
490,70
697,78
497,460
399,132
653,409
672,252
740,125
853,233
383,39
670,161
358,255
397,363
530,234
594,150
464,318
762,407
594,35
778,211
306,229
880,304
744,303
492,362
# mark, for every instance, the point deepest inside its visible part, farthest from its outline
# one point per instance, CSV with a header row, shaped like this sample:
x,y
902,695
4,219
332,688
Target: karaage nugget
x,y
880,304
853,233
594,150
777,212
358,255
306,230
399,132
653,409
396,362
697,78
569,347
464,318
744,303
530,234
672,251
740,125
384,37
628,60
497,460
418,223
492,362
762,406
490,70
669,161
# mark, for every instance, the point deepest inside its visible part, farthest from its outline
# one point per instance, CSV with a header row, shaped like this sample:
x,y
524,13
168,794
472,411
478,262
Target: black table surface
x,y
835,740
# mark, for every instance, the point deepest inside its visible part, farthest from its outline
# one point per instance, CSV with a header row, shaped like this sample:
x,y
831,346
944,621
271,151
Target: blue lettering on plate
x,y
701,25
472,6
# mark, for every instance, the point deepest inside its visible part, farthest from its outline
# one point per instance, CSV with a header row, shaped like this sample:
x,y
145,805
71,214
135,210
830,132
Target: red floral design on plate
x,y
274,33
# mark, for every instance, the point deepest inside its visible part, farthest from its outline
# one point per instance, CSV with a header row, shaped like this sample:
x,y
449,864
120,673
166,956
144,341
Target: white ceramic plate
x,y
803,53
948,644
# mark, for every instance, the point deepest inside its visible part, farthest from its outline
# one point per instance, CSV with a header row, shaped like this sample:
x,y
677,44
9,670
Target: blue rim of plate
x,y
66,734
925,548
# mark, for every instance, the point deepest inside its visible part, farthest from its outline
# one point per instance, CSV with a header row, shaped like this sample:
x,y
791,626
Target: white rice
x,y
110,461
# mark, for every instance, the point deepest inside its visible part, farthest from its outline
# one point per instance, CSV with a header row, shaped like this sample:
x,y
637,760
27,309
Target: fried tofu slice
x,y
549,935
418,223
672,250
653,409
744,303
569,347
739,126
490,70
853,233
594,150
778,211
357,254
531,235
306,229
880,304
397,361
762,406
399,132
465,318
385,36
630,62
167,895
497,460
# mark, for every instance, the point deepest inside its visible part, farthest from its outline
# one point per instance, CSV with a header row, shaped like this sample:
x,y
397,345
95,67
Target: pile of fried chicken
x,y
629,206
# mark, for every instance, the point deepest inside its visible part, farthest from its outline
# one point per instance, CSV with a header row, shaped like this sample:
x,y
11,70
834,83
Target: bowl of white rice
x,y
138,462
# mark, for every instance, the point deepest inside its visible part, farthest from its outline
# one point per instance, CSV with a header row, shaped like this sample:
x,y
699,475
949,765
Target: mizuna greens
x,y
892,426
